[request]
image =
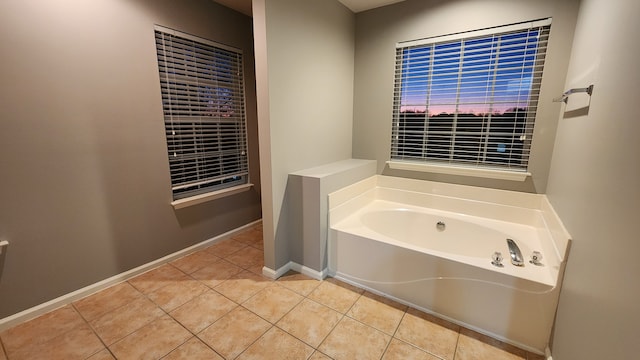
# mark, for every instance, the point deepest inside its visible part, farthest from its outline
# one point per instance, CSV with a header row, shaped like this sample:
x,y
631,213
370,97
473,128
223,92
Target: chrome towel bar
x,y
3,244
566,94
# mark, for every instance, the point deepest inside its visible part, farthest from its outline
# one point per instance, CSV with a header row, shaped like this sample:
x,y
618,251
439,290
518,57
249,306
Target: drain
x,y
440,225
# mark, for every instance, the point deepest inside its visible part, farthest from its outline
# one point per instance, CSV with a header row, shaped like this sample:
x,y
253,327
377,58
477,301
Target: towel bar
x,y
2,245
566,94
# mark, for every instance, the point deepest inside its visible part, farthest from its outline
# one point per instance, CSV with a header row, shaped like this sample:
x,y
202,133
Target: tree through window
x,y
204,113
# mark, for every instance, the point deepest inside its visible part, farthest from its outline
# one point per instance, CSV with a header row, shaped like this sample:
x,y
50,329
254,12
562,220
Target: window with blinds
x,y
204,113
469,99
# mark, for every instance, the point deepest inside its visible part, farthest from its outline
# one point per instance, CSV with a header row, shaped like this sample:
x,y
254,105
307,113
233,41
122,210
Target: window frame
x,y
427,163
204,110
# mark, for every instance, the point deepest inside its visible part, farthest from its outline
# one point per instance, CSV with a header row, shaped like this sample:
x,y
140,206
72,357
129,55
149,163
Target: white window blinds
x,y
204,113
469,99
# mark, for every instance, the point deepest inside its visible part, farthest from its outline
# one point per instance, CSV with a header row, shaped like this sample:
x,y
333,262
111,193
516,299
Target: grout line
x,y
256,340
184,342
4,350
281,317
205,343
331,331
393,336
92,330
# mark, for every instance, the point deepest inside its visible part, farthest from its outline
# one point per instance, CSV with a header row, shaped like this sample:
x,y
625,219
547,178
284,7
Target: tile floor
x,y
215,304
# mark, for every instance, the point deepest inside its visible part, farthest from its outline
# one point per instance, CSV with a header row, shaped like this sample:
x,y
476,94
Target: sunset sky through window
x,y
482,75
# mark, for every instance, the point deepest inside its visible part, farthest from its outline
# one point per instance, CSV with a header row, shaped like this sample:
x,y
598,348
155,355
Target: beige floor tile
x,y
379,312
203,311
107,300
400,350
310,322
256,269
152,341
258,244
124,320
214,274
225,248
352,340
429,333
249,237
194,349
276,344
234,332
258,241
242,286
177,292
41,329
156,278
195,261
254,241
273,302
302,284
319,356
78,343
246,257
336,294
473,345
3,356
102,355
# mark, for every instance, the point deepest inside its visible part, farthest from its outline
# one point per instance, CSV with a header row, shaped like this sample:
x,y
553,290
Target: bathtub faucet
x,y
514,251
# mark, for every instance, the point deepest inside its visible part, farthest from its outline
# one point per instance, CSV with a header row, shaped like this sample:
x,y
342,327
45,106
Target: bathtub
x,y
430,245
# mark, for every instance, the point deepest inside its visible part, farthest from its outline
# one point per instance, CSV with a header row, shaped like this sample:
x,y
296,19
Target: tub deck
x,y
466,239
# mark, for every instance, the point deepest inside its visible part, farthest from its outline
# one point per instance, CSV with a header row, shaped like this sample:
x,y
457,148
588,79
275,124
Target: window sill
x,y
459,170
198,199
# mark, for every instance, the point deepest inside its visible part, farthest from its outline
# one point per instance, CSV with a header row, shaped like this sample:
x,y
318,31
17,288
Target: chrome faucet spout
x,y
515,254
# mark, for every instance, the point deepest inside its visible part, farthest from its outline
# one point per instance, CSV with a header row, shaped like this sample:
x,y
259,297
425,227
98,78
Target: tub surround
x,y
308,190
511,303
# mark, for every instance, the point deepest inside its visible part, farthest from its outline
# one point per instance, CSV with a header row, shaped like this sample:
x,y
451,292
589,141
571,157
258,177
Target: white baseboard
x,y
547,353
318,275
28,314
275,274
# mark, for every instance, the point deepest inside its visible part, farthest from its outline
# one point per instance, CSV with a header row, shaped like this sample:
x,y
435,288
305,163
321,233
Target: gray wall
x,y
304,66
594,187
377,32
84,185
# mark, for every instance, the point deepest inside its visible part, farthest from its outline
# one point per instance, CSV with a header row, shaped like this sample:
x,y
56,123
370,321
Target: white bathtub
x,y
384,237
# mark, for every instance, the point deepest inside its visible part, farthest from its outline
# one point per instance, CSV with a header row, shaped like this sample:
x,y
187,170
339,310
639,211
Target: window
x,y
469,99
204,113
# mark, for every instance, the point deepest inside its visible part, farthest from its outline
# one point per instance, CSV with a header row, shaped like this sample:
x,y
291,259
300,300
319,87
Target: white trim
x,y
318,275
460,170
475,33
275,274
198,199
547,353
66,299
195,38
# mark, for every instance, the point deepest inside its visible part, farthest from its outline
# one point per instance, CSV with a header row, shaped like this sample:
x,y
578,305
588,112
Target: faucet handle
x,y
497,259
536,258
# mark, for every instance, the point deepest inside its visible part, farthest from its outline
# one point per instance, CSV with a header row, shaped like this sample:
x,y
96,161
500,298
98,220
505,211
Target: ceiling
x,y
362,5
244,6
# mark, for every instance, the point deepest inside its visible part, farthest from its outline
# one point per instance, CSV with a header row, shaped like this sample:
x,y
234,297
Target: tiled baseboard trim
x,y
63,300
